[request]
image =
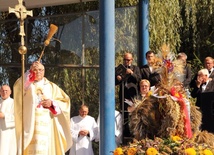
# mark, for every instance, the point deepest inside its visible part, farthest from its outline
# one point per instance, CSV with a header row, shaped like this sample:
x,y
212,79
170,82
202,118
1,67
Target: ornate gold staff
x,y
21,13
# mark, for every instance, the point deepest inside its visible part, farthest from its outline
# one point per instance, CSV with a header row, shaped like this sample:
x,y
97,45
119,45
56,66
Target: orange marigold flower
x,y
190,151
132,151
151,151
118,151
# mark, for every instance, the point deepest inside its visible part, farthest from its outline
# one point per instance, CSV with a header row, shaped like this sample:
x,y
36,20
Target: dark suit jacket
x,y
154,78
188,76
130,85
196,92
212,75
192,83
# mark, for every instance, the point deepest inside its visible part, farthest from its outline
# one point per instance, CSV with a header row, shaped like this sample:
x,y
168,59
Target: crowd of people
x,y
147,78
43,123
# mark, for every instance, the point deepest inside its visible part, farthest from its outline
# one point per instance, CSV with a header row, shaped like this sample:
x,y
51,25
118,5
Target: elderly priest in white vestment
x,y
46,114
84,130
7,123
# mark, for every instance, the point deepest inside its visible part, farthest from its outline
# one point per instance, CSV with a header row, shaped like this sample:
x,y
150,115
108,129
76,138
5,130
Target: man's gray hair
x,y
203,71
182,54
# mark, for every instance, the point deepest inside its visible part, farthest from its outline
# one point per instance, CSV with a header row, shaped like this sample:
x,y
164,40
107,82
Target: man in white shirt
x,y
84,130
7,122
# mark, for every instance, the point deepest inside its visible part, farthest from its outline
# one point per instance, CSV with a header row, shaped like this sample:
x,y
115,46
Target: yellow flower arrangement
x,y
151,151
131,151
176,138
174,145
206,152
190,151
118,151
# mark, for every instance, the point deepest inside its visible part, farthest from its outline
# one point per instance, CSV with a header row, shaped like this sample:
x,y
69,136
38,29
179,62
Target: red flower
x,y
175,93
169,65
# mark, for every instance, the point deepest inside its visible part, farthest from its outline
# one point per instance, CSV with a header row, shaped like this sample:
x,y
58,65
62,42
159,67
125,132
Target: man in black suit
x,y
130,84
209,65
147,71
202,84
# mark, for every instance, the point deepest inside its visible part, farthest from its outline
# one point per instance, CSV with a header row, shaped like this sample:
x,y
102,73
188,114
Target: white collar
x,y
39,83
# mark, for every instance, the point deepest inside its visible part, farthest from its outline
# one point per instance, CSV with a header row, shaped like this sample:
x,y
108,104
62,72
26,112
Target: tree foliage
x,y
186,25
164,24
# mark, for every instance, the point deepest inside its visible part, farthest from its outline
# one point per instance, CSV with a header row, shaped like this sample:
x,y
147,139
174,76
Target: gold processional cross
x,y
22,13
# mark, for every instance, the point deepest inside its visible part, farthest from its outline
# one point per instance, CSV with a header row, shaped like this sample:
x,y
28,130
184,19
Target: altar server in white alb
x,y
7,123
83,130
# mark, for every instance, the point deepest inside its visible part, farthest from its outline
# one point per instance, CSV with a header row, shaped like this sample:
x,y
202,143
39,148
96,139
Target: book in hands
x,y
121,71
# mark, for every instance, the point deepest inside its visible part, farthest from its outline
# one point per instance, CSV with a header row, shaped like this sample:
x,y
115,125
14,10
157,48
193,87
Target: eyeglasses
x,y
127,59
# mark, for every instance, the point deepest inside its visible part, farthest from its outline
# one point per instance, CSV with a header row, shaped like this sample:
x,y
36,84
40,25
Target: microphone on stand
x,y
53,29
